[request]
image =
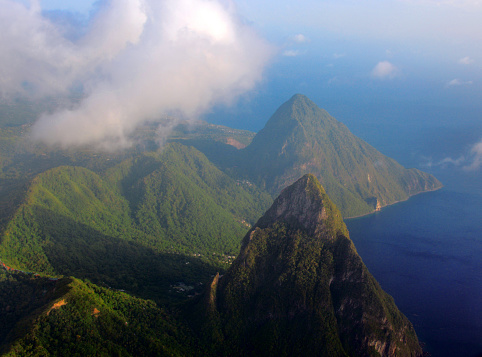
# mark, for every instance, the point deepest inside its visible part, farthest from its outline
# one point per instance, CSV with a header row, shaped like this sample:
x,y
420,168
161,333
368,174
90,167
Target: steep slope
x,y
137,226
68,317
298,287
301,138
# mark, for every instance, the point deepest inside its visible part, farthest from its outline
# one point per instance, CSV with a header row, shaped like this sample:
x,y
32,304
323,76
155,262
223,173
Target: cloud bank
x,y
475,162
137,61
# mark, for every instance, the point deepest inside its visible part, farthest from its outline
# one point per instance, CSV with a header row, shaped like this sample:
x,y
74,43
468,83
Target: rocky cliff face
x,y
298,287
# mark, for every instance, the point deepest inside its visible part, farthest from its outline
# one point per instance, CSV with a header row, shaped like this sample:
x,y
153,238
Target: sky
x,y
368,62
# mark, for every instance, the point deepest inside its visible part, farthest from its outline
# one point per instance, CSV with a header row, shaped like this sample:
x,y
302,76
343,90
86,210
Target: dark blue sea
x,y
427,252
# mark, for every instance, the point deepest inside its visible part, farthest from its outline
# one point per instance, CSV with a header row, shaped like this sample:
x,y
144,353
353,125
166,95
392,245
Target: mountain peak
x,y
302,138
301,99
298,287
299,110
305,204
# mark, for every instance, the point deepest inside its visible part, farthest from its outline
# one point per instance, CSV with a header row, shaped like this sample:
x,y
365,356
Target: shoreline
x,y
393,203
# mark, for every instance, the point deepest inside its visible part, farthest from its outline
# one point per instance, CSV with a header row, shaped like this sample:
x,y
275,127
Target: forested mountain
x,y
68,317
298,287
146,223
301,138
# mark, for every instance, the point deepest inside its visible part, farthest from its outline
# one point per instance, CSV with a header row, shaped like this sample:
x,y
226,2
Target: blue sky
x,y
415,34
83,7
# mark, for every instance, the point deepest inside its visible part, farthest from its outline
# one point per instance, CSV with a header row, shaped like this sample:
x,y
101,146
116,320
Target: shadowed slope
x,y
298,287
136,227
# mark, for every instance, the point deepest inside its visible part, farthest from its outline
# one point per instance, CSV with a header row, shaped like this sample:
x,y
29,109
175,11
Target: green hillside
x,y
68,317
149,222
301,138
21,159
103,232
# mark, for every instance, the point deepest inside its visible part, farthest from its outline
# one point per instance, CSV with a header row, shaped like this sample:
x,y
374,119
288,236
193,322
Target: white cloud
x,y
476,158
299,38
466,60
472,161
295,41
338,55
454,82
457,82
385,70
444,163
291,53
139,60
449,160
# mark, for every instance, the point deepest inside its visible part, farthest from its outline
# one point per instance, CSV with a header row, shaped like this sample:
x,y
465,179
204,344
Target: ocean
x,y
427,252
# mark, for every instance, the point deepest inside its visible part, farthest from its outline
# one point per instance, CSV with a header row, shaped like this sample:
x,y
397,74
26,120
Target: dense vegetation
x,y
298,287
301,138
68,317
145,224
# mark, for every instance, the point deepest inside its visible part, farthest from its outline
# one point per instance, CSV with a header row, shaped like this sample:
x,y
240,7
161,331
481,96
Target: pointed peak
x,y
300,98
308,185
306,205
299,101
302,101
298,110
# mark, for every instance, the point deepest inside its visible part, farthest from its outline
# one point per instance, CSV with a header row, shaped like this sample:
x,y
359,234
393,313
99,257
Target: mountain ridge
x,y
136,225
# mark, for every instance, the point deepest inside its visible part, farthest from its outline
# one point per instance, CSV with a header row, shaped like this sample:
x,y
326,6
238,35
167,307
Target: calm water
x,y
427,253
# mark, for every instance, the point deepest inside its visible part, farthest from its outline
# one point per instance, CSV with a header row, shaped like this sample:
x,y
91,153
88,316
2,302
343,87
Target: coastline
x,y
393,203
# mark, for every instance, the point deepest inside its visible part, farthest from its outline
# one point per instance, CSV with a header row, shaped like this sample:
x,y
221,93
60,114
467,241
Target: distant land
x,y
301,138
